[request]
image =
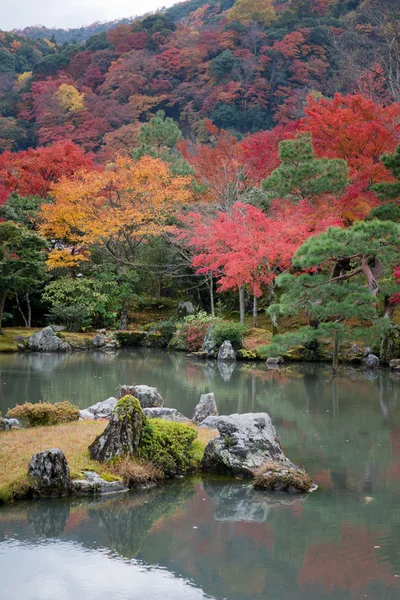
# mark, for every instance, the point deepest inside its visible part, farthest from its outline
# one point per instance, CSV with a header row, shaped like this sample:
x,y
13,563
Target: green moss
x,y
130,339
127,406
247,355
169,446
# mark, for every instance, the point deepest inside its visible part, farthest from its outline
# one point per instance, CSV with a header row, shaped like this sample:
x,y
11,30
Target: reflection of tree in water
x,y
128,519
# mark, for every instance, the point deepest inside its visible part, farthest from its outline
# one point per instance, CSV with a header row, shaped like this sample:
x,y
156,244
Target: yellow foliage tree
x,y
257,11
113,210
69,98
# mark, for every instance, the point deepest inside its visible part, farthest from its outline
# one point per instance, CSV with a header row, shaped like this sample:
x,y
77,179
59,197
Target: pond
x,y
213,538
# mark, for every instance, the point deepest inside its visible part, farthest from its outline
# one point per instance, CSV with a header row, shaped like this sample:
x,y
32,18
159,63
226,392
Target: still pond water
x,y
207,538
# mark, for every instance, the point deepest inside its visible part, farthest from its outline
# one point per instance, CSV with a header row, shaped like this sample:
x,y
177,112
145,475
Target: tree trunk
x,y
3,296
241,305
335,361
211,287
27,318
255,314
123,319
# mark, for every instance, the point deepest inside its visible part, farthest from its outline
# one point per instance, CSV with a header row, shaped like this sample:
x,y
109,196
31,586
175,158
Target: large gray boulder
x,y
167,414
226,352
207,407
185,309
372,361
47,341
50,473
99,341
209,345
7,424
101,410
94,485
245,443
122,435
149,397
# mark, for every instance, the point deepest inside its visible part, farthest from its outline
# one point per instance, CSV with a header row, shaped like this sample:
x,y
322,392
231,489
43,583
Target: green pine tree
x,y
158,139
390,190
339,276
302,175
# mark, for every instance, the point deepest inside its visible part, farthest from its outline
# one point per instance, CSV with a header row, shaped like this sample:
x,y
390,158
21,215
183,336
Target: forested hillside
x,y
201,146
245,69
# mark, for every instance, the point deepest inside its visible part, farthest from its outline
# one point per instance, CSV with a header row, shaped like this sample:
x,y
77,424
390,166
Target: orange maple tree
x,y
114,209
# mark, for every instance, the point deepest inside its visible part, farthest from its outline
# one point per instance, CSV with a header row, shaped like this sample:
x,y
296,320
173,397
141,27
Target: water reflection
x,y
196,539
214,538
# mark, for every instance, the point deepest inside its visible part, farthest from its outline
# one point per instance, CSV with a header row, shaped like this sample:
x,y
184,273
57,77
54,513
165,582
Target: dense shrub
x,y
44,413
191,333
228,330
169,446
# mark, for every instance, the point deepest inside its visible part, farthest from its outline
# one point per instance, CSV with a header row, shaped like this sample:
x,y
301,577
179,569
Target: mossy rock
x,y
279,478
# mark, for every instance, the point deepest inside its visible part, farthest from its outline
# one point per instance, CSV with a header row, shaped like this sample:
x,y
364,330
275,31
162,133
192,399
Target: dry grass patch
x,y
276,477
18,446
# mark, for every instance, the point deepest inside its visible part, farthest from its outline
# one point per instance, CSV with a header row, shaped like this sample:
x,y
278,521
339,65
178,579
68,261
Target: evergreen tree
x,y
21,260
158,139
302,175
390,190
337,277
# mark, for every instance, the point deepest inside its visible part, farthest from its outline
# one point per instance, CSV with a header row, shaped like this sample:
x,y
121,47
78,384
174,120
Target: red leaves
x,y
34,171
245,247
356,129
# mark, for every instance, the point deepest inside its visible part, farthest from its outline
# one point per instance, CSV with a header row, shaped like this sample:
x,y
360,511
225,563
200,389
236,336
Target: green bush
x,y
44,413
228,330
169,446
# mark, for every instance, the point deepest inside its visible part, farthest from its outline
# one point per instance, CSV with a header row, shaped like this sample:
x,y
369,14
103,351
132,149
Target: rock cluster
x,y
47,341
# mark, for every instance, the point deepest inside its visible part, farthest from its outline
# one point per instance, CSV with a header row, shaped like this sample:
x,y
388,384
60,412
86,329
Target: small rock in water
x,y
226,352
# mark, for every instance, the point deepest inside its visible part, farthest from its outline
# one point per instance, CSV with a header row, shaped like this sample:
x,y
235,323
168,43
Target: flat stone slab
x,y
94,485
167,414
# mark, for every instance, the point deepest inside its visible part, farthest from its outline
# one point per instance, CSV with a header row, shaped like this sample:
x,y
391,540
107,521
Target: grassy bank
x,y
18,446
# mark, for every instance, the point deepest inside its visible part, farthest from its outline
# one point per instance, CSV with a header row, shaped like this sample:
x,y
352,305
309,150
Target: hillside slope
x,y
244,71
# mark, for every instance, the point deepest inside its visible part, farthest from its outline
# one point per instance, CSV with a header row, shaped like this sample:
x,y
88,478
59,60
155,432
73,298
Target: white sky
x,y
71,13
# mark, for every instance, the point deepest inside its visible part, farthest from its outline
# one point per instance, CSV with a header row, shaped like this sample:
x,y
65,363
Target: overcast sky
x,y
71,13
